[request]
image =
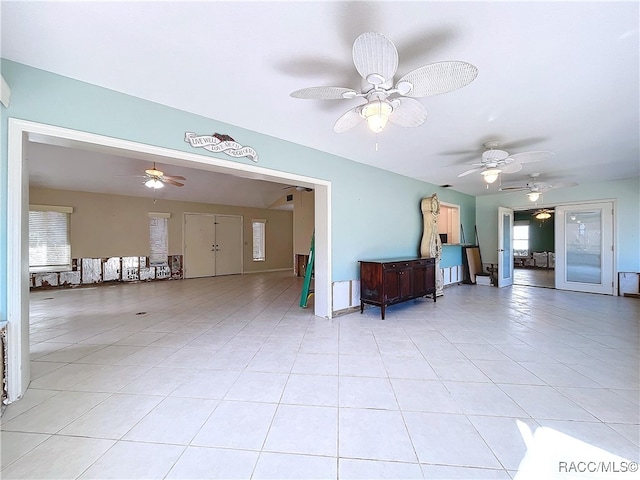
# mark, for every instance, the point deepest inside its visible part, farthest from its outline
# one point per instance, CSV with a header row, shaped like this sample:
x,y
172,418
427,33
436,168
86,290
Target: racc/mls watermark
x,y
597,467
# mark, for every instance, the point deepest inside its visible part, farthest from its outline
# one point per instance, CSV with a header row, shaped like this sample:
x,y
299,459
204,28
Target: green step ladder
x,y
306,286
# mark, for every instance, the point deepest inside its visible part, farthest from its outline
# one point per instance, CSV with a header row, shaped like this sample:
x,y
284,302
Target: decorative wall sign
x,y
220,143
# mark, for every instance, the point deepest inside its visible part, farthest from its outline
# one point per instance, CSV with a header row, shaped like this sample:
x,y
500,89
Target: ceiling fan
x,y
156,178
298,188
376,60
543,214
536,188
495,161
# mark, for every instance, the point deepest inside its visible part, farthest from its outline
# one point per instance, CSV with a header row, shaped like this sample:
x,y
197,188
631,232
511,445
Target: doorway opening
x,y
21,132
534,253
568,247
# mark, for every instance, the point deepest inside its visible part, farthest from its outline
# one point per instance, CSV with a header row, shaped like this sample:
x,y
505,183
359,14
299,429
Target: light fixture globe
x,y
376,113
533,196
491,175
153,183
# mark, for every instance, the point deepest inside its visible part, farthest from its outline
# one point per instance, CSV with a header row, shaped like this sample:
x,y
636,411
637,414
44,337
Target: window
x,y
258,239
521,239
158,238
49,244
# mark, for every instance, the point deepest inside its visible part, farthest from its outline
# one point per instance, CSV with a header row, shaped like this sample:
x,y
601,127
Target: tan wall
x,y
113,225
303,221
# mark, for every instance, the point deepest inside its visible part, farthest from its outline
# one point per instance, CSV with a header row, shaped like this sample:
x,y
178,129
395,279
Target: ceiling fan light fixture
x,y
491,175
533,196
377,113
153,183
543,215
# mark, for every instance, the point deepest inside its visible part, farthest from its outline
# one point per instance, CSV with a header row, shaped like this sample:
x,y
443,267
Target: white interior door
x,y
584,248
505,247
199,246
228,245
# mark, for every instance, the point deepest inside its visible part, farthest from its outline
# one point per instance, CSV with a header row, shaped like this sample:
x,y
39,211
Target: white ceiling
x,y
81,168
558,76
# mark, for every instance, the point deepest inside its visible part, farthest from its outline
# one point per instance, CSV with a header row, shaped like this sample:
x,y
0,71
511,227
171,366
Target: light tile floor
x,y
228,378
535,277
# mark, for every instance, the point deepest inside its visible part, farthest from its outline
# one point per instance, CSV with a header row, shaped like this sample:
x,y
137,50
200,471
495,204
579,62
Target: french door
x,y
584,248
212,245
505,247
228,235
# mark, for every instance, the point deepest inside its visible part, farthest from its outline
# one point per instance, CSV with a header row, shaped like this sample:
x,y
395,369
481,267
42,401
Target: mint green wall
x,y
626,194
375,213
451,256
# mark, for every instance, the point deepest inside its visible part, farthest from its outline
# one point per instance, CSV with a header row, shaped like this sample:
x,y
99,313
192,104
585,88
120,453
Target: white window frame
x,y
259,254
159,238
58,267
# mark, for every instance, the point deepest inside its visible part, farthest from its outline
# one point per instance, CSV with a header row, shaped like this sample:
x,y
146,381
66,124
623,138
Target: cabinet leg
x,y
361,307
382,310
434,296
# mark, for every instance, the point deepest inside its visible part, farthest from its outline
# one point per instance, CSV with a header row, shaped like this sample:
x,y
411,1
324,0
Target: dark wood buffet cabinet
x,y
389,281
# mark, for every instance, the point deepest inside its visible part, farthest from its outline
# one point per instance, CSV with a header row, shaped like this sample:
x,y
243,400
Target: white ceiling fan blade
x,y
468,172
513,189
408,112
375,53
512,167
562,185
349,120
528,157
324,93
493,156
437,78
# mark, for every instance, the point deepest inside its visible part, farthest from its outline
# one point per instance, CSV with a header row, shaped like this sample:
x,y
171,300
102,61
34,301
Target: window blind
x,y
49,244
158,238
259,240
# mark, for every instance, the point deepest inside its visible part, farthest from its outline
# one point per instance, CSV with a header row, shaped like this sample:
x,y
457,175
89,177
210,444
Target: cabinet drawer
x,y
427,261
396,265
